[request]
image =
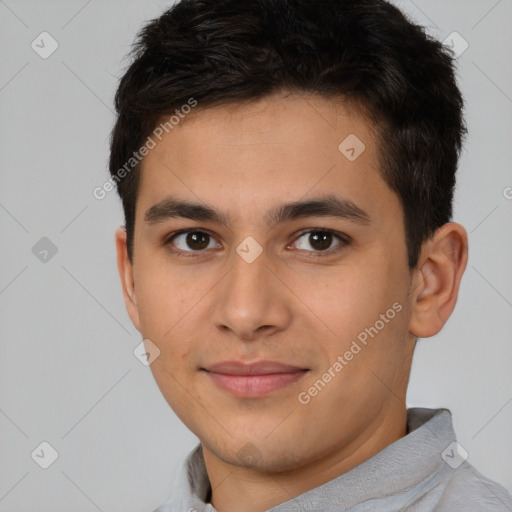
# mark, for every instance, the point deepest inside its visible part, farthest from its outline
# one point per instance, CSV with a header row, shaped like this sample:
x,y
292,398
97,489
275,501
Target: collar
x,y
407,465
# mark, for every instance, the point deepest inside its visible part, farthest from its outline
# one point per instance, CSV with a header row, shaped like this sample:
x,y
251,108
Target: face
x,y
295,255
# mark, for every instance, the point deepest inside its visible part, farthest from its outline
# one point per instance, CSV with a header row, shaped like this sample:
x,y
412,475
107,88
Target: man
x,y
287,169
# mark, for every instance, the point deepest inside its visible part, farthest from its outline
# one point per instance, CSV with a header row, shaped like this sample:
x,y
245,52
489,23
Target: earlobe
x,y
437,279
125,269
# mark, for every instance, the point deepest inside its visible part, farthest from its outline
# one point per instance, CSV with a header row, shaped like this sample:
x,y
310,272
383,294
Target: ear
x,y
436,279
125,268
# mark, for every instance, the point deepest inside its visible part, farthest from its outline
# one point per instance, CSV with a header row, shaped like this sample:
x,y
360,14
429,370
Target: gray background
x,y
68,375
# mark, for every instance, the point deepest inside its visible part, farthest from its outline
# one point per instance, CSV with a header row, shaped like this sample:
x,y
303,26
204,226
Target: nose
x,y
251,302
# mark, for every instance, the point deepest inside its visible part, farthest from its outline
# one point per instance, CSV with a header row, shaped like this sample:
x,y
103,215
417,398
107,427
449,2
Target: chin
x,y
270,457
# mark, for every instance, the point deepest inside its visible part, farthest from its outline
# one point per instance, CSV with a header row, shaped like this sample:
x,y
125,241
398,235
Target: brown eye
x,y
193,241
197,240
320,240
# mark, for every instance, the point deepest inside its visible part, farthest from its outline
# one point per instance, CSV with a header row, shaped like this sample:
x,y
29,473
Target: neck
x,y
238,489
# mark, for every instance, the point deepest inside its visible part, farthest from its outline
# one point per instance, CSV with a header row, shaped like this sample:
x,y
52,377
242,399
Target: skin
x,y
294,304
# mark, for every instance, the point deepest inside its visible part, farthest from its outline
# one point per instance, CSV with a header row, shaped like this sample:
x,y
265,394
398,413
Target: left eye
x,y
320,240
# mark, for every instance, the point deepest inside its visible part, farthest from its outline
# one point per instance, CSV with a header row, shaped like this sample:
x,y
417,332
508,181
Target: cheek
x,y
166,308
343,301
164,299
347,304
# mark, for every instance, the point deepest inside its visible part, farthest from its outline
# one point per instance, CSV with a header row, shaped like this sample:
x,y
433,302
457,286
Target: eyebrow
x,y
326,206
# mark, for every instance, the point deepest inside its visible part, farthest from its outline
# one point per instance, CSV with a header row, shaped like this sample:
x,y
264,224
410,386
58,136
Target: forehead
x,y
248,156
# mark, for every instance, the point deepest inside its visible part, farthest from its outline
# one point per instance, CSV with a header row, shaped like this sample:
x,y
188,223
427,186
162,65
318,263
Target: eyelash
x,y
344,240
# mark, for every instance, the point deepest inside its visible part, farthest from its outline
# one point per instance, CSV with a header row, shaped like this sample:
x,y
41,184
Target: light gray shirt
x,y
426,470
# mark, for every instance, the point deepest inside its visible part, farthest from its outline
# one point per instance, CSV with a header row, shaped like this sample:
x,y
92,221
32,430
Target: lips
x,y
259,368
253,380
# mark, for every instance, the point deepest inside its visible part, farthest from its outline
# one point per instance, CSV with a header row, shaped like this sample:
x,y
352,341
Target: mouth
x,y
253,380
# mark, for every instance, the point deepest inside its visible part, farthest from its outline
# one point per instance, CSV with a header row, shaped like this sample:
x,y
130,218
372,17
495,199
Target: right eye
x,y
192,241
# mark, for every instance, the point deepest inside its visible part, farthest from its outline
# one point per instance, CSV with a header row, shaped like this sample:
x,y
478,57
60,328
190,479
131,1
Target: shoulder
x,y
467,489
